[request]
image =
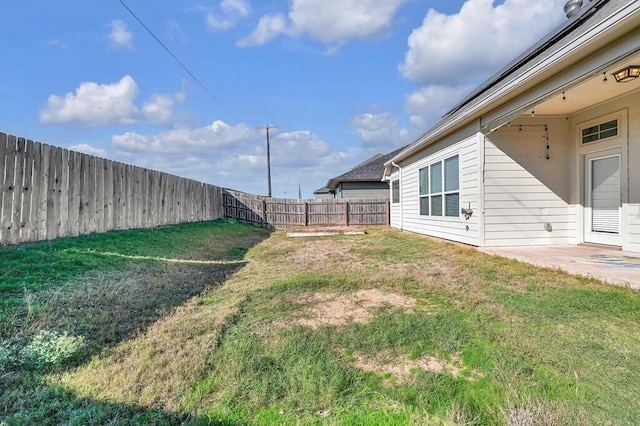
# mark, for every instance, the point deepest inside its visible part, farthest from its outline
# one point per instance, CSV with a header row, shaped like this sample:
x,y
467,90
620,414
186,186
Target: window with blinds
x,y
605,194
439,188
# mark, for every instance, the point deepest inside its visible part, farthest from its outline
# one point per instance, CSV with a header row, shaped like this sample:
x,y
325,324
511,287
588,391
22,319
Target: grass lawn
x,y
225,324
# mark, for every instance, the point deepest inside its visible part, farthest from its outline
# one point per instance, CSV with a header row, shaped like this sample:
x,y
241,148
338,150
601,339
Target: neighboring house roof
x,y
371,170
323,190
544,57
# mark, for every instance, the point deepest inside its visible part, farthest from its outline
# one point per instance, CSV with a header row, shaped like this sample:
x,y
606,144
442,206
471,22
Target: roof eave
x,y
332,183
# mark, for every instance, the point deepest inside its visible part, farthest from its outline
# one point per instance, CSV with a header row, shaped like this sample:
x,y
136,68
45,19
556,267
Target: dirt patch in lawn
x,y
322,253
403,370
339,309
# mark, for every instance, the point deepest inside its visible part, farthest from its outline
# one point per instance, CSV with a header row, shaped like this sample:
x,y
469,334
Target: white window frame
x,y
620,143
599,131
395,194
442,193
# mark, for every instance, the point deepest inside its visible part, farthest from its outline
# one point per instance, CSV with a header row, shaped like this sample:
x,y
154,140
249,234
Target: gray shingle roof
x,y
370,170
323,190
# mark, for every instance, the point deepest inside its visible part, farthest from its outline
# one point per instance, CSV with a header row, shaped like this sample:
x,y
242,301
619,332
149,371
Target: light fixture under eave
x,y
627,74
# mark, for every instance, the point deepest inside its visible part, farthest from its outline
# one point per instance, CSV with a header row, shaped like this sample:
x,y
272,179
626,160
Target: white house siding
x,y
466,145
523,190
627,107
632,209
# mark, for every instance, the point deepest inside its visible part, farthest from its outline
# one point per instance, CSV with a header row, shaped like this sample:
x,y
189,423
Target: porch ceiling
x,y
589,93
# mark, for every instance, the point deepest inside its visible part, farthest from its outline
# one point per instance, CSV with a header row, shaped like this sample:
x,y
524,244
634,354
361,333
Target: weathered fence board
x,y
74,194
284,213
48,192
18,191
8,188
3,164
27,204
108,195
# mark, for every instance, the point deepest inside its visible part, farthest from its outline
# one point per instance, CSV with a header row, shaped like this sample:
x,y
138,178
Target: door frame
x,y
601,148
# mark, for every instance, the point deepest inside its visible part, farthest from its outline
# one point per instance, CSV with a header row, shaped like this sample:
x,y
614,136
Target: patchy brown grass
x,y
284,336
340,309
404,370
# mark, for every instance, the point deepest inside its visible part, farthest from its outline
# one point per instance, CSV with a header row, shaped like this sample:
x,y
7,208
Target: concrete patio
x,y
609,265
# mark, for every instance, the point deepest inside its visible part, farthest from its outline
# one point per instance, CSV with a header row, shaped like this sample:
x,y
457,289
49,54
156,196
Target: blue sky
x,y
341,79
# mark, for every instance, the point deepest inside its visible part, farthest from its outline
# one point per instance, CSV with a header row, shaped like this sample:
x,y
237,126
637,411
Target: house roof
x,y
508,81
323,190
371,170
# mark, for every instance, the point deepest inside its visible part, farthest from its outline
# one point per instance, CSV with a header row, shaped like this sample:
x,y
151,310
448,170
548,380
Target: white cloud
x,y
88,149
298,149
331,21
235,157
214,137
269,27
477,41
120,36
218,24
232,11
240,7
159,109
327,21
95,104
379,131
427,105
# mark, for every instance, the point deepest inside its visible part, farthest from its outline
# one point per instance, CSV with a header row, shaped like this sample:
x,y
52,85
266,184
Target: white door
x,y
602,199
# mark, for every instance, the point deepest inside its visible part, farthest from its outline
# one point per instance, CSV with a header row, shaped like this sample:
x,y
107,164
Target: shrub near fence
x,y
48,192
285,212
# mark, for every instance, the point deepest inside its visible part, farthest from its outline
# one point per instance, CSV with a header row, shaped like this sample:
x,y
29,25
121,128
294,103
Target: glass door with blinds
x,y
602,199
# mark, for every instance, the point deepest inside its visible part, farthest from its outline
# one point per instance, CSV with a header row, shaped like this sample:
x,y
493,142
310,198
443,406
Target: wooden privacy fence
x,y
283,213
48,192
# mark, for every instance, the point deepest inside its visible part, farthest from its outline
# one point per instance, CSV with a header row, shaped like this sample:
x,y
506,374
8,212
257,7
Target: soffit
x,y
589,93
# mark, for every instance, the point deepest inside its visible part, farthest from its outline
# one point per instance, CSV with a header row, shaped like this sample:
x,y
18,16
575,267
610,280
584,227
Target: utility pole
x,y
267,128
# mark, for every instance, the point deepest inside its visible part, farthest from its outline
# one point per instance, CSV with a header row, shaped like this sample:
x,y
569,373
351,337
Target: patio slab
x,y
609,265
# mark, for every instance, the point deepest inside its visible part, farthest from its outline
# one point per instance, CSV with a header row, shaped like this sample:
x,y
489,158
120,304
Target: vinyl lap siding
x,y
517,203
450,228
633,207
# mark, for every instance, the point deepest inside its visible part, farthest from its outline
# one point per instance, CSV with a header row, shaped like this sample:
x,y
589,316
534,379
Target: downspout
x,y
401,197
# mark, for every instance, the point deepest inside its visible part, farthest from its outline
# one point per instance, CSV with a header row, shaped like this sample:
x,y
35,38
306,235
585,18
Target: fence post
x,y
346,213
388,215
306,214
264,212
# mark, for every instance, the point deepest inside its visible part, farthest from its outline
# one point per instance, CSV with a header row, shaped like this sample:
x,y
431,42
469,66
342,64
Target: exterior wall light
x,y
627,74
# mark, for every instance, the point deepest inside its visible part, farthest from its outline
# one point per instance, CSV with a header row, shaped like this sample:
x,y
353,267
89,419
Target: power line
x,y
184,67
